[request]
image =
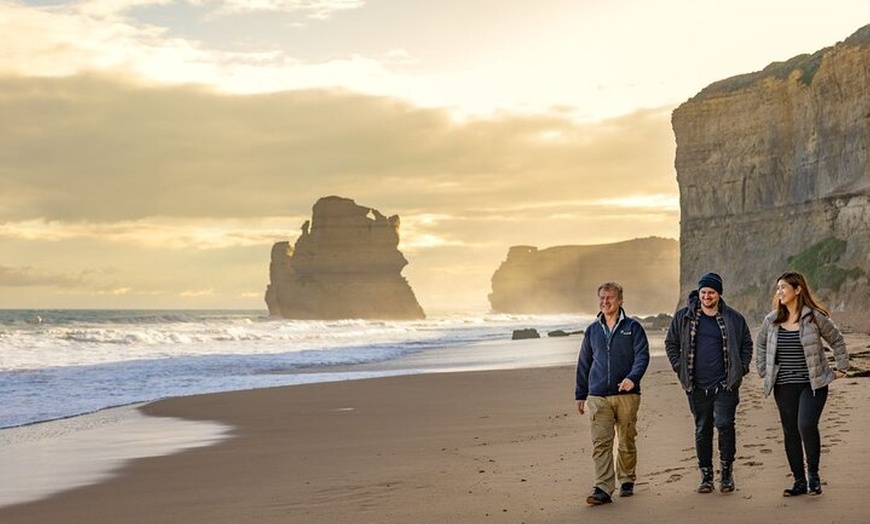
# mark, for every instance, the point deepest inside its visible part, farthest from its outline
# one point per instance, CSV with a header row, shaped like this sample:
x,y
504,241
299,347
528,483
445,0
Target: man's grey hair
x,y
611,286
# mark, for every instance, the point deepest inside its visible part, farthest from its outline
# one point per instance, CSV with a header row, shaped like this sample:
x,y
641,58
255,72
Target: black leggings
x,y
800,409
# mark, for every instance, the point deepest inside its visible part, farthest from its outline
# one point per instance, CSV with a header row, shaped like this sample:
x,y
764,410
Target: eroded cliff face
x,y
345,264
565,279
774,174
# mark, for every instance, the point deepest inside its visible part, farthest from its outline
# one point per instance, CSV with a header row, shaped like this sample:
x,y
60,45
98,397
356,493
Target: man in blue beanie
x,y
709,347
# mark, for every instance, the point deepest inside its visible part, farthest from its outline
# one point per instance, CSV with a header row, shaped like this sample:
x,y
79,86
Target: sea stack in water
x,y
774,174
345,264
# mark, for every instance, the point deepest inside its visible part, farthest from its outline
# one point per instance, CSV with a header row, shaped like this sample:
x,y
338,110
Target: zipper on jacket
x,y
609,341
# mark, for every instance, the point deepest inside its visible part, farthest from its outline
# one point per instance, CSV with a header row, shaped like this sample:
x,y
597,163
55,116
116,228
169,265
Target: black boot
x,y
814,487
706,485
726,484
799,488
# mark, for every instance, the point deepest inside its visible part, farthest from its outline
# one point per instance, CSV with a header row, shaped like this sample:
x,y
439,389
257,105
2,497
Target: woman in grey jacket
x,y
791,359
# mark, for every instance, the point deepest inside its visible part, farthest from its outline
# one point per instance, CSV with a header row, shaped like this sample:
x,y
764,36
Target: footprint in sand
x,y
674,478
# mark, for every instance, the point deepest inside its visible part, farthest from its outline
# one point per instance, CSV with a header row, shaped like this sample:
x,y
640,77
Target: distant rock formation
x,y
345,264
565,279
522,334
774,174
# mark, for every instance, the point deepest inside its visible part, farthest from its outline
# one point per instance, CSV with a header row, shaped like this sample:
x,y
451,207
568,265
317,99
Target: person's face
x,y
709,297
786,293
609,301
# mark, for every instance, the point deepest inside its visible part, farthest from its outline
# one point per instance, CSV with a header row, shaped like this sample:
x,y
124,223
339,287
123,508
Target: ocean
x,y
56,364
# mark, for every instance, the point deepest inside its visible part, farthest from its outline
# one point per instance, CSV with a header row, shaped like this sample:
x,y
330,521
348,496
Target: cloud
x,y
27,276
197,293
320,9
155,233
185,44
108,9
90,149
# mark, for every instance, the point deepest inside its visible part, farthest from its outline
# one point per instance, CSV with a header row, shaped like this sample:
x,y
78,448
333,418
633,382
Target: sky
x,y
152,151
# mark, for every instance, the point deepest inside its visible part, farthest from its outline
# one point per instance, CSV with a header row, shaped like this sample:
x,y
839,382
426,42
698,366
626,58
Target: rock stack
x,y
345,264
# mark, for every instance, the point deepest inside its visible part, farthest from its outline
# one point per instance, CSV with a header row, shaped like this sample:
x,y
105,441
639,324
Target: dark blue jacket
x,y
603,364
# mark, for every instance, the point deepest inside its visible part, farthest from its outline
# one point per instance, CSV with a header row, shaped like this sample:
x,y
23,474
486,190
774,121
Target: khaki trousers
x,y
614,414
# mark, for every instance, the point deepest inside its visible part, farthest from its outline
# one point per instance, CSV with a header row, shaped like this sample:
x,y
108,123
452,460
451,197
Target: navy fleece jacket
x,y
603,363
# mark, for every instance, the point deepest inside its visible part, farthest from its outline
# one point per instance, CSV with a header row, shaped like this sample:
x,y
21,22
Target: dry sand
x,y
474,447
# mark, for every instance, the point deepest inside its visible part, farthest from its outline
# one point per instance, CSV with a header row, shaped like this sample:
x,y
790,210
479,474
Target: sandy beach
x,y
492,446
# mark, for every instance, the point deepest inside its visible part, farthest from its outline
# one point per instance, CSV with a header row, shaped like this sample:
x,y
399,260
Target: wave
x,y
76,362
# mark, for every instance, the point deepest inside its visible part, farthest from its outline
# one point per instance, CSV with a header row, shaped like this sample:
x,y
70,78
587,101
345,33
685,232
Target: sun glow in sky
x,y
151,151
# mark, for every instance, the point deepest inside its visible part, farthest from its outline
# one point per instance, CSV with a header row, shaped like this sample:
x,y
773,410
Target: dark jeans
x,y
799,411
714,407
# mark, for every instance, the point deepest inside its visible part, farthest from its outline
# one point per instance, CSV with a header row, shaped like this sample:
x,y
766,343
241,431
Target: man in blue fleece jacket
x,y
613,358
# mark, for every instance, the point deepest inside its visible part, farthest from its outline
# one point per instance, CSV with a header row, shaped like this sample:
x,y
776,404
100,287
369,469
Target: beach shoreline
x,y
476,446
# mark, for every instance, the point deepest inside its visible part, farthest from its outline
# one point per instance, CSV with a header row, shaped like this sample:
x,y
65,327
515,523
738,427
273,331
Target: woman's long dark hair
x,y
805,298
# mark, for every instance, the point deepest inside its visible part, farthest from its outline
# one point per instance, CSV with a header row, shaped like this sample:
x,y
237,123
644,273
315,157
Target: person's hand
x,y
581,406
626,385
840,374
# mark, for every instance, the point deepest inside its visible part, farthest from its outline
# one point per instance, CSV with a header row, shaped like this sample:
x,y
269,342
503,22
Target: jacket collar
x,y
619,319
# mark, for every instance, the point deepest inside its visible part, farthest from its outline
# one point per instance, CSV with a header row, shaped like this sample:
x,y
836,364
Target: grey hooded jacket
x,y
814,327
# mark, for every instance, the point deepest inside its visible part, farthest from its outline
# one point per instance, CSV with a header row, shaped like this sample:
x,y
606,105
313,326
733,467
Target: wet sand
x,y
491,446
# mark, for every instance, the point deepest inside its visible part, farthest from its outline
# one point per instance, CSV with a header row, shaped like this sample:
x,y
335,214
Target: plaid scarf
x,y
694,330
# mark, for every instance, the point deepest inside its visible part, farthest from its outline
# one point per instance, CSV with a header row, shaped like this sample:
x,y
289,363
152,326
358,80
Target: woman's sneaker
x,y
815,485
799,488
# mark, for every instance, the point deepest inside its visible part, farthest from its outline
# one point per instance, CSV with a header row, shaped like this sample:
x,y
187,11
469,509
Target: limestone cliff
x,y
565,279
345,264
774,175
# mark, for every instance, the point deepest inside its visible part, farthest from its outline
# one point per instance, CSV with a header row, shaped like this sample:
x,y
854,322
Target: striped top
x,y
791,359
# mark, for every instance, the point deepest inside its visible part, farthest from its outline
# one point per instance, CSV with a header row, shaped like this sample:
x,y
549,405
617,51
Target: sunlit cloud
x,y
664,203
75,39
427,241
197,293
269,154
429,231
109,8
119,291
201,234
98,36
320,9
399,56
28,276
641,204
